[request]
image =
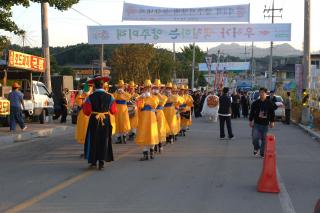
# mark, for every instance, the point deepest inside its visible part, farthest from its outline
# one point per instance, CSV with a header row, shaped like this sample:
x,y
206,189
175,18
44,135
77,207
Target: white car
x,y
280,111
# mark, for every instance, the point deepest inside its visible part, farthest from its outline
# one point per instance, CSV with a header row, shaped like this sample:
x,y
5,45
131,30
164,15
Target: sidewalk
x,y
34,130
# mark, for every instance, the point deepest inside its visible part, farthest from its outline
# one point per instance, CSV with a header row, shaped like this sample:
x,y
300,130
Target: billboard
x,y
231,13
26,61
139,34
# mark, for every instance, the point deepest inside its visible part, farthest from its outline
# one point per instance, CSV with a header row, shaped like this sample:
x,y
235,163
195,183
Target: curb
x,y
25,136
313,133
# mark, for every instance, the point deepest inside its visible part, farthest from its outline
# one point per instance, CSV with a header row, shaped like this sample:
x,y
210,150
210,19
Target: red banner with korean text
x,y
26,61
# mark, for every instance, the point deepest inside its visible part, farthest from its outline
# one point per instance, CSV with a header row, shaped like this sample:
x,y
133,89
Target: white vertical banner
x,y
231,13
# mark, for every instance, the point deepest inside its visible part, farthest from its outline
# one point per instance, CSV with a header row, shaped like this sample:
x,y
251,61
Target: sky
x,y
69,27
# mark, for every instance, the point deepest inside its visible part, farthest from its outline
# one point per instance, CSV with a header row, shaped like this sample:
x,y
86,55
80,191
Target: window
x,y
35,91
43,90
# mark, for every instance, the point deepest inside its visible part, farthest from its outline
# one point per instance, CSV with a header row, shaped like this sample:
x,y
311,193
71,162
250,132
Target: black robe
x,y
98,144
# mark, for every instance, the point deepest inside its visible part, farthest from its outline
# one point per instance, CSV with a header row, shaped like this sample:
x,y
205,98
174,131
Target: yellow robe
x,y
189,103
134,119
171,114
122,116
147,132
112,119
82,121
163,126
81,128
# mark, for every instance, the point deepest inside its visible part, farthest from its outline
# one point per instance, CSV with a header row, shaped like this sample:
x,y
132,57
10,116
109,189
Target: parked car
x,y
280,111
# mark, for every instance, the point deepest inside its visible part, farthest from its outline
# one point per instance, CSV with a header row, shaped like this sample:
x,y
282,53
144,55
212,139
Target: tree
x,y
9,25
131,62
162,65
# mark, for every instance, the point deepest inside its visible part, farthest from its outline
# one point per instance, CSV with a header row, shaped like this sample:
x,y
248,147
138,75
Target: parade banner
x,y
26,61
233,66
137,34
231,13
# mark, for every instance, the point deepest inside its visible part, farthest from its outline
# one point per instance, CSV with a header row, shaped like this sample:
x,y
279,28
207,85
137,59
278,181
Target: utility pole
x,y
45,43
193,64
101,59
174,65
306,58
272,16
252,70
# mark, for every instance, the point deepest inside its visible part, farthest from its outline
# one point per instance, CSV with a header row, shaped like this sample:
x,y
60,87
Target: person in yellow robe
x,y
181,107
171,111
122,115
132,109
112,116
186,112
82,119
161,119
147,132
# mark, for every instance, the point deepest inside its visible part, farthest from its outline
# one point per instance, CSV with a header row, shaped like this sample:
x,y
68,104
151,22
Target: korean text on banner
x,y
135,34
26,61
231,13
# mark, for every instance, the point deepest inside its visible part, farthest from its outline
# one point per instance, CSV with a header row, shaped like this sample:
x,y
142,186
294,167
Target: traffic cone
x,y
268,181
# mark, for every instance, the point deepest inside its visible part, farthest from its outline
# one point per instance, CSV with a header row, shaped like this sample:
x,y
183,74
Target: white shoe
x,y
24,129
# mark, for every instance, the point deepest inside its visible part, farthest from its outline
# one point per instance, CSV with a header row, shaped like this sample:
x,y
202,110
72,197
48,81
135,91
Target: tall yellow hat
x,y
132,84
186,87
181,87
169,85
157,83
147,83
120,83
174,87
106,85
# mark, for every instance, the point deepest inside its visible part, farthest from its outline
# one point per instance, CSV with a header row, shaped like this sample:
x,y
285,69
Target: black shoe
x,y
145,156
118,140
160,147
93,165
255,153
131,136
101,165
151,154
124,139
156,148
183,132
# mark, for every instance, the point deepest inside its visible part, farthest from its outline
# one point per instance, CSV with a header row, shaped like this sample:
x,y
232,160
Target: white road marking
x,y
284,197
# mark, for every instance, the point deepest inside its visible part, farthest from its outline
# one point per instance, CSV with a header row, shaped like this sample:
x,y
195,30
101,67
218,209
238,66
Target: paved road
x,y
199,173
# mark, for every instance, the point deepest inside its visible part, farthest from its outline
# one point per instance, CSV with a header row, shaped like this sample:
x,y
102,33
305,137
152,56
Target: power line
x,y
84,15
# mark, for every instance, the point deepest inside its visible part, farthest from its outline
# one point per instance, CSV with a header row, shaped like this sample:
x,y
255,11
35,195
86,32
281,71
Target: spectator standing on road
x,y
288,105
235,105
225,113
261,116
16,100
64,106
245,104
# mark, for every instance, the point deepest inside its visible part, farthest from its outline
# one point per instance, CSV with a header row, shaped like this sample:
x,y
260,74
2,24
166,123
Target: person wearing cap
x,y
16,101
147,132
161,120
186,112
122,117
132,109
171,111
98,106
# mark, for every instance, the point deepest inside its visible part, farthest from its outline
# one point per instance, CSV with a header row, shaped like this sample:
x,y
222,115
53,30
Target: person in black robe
x,y
245,104
98,144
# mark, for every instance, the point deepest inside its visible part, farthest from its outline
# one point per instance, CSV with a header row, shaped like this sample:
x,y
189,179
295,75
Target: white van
x,y
38,102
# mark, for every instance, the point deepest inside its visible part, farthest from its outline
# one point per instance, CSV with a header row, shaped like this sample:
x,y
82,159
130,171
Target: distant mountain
x,y
237,50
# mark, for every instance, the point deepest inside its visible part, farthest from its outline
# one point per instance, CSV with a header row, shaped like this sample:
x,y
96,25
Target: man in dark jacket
x,y
225,113
261,117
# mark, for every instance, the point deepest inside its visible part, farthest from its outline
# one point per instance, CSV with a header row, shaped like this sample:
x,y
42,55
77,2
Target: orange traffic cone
x,y
268,181
317,207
